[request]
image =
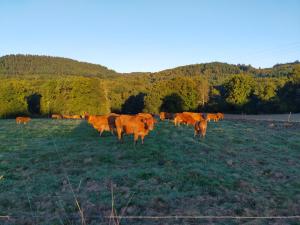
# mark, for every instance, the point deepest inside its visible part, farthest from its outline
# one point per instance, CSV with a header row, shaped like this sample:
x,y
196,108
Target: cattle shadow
x,y
288,97
172,103
34,103
134,104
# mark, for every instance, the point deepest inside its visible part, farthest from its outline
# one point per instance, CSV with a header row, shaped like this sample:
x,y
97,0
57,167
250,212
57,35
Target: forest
x,y
42,85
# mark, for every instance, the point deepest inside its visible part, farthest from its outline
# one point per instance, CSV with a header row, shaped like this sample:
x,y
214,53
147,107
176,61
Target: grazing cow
x,y
76,117
220,116
137,125
184,118
56,116
200,128
22,119
178,119
166,116
212,116
196,116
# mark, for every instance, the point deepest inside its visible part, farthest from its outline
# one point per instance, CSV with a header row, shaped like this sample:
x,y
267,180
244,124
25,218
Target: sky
x,y
152,35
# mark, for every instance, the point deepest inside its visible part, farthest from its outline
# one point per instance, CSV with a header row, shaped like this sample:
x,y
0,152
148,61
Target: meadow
x,y
241,168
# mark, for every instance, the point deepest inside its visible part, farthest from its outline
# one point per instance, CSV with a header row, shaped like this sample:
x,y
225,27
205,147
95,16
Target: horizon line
x,y
172,67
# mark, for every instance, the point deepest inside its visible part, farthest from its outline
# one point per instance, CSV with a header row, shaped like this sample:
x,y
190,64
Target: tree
x,y
238,89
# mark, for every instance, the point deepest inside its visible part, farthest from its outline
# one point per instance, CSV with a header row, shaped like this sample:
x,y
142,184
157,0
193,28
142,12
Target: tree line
x,y
29,86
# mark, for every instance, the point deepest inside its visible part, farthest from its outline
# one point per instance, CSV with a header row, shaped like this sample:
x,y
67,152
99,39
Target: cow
x,y
76,117
200,128
56,116
100,123
196,116
212,116
166,116
184,118
22,119
220,116
137,125
104,123
151,120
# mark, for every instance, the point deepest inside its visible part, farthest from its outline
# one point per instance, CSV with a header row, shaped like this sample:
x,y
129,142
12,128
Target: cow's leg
x,y
135,137
119,133
142,137
195,133
101,131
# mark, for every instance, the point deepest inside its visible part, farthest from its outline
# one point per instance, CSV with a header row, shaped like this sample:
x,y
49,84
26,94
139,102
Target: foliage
x,y
42,65
68,86
69,95
238,90
177,94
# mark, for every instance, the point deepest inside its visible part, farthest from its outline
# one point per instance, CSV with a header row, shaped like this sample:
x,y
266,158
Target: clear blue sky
x,y
151,35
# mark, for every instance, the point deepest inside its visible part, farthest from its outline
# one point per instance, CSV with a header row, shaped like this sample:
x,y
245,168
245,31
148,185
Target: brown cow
x,y
220,116
100,123
22,119
200,128
184,118
212,116
103,123
56,116
151,120
137,125
196,116
166,116
178,119
76,117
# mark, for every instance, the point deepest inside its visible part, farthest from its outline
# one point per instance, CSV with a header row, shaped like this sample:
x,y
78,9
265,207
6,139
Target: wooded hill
x,y
41,85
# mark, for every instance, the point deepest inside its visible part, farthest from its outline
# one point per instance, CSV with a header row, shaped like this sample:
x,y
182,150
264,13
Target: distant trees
x,y
74,95
167,94
289,95
42,84
12,98
71,95
48,65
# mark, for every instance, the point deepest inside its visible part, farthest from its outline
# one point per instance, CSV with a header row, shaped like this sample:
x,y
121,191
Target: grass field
x,y
242,168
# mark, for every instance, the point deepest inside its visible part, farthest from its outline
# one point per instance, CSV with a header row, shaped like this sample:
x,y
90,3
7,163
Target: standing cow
x,y
137,125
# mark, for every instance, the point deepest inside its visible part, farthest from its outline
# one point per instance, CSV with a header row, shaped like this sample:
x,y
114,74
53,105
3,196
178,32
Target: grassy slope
x,y
241,168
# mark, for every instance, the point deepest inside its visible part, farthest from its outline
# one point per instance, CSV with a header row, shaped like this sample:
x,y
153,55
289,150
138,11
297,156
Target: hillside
x,y
41,85
217,71
47,65
11,65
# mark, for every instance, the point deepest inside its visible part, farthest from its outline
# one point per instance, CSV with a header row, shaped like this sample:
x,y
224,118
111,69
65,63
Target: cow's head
x,y
149,123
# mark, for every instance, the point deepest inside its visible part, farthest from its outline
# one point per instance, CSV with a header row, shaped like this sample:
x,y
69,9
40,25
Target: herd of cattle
x,y
140,124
